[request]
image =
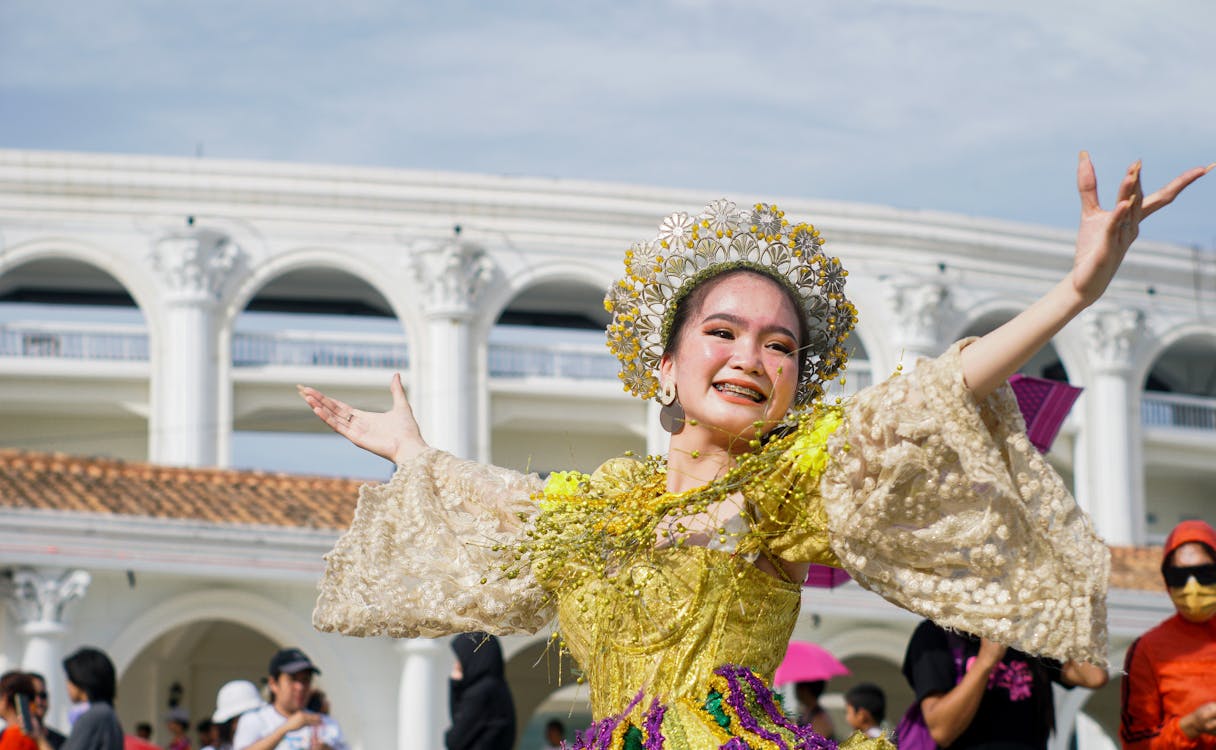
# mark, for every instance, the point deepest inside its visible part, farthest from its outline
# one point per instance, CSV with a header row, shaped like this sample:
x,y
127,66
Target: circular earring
x,y
671,416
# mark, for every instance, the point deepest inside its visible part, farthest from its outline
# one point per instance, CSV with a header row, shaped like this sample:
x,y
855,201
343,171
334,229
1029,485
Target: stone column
x,y
1114,477
422,697
194,267
39,598
919,310
451,276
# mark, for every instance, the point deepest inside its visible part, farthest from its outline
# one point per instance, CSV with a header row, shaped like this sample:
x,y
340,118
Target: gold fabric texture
x,y
694,610
412,562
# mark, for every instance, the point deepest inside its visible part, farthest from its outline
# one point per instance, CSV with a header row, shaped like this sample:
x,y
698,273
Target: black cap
x,y
291,661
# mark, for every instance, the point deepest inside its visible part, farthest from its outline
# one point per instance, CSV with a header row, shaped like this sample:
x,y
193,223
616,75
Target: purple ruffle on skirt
x,y
754,713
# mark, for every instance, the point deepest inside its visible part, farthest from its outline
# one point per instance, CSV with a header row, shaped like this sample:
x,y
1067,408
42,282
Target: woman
x,y
91,678
14,687
676,580
483,713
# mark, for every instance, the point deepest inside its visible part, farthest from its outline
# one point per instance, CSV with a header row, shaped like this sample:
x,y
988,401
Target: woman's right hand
x,y
392,434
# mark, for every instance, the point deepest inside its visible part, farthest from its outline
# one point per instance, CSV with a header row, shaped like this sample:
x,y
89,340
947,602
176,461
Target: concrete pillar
x,y
658,440
919,310
39,598
194,266
1114,477
451,276
422,697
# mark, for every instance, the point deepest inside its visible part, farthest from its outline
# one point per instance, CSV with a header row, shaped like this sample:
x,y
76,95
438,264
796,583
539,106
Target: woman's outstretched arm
x,y
1102,240
392,434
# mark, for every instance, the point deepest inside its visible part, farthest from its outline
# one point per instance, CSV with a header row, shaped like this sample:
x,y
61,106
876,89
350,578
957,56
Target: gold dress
x,y
933,500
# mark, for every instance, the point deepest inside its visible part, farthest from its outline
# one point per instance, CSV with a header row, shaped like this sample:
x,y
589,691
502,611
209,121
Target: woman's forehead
x,y
750,294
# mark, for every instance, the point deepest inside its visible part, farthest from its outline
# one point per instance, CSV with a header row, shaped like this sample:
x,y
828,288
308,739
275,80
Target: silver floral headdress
x,y
688,250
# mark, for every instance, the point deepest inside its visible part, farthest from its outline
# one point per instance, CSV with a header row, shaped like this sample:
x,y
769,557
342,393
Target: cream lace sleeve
x,y
940,504
425,552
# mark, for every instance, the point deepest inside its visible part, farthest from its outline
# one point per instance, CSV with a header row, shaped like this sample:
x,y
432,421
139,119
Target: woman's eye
x,y
781,347
721,333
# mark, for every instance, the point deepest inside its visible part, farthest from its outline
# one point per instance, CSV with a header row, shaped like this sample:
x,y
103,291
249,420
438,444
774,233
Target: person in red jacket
x,y
1169,688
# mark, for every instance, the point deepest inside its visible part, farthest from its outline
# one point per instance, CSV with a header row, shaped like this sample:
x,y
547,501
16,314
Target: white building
x,y
161,310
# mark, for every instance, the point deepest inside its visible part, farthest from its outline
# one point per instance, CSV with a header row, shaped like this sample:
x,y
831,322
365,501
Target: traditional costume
x,y
934,500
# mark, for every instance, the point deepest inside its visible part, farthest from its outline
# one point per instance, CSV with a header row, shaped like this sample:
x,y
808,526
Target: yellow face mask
x,y
1194,602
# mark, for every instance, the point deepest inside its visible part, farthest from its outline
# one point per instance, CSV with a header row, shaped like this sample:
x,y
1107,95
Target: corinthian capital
x,y
197,263
40,595
919,310
1111,337
452,274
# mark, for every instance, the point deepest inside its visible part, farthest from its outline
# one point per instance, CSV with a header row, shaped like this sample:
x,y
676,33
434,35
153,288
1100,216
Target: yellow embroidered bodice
x,y
693,610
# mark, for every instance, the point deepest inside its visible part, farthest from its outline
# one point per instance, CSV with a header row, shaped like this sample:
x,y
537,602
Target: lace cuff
x,y
939,503
425,552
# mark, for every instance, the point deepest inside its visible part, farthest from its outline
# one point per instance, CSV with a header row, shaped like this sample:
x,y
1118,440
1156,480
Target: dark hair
x,y
555,724
92,671
316,701
695,297
814,687
15,683
870,697
204,725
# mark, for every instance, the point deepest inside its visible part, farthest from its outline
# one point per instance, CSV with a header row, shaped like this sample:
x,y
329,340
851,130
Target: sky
x,y
943,105
957,106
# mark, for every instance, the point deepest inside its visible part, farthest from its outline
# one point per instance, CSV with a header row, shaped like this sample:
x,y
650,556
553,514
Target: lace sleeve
x,y
939,503
425,554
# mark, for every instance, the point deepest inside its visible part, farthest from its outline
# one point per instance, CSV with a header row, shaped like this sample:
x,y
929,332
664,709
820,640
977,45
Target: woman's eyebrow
x,y
736,320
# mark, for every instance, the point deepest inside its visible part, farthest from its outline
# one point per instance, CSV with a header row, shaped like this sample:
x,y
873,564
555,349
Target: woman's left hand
x,y
1105,236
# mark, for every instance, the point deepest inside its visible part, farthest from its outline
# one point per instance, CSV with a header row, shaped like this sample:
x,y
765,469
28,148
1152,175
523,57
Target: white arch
x,y
140,286
884,643
319,257
280,624
1163,341
498,297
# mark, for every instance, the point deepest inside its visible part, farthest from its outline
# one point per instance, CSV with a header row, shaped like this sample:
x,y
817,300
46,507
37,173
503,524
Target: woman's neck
x,y
694,459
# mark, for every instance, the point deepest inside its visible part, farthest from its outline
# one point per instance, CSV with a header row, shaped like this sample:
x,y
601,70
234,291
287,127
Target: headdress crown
x,y
688,250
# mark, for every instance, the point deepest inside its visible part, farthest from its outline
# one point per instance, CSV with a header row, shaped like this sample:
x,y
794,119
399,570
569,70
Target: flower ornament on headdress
x,y
688,250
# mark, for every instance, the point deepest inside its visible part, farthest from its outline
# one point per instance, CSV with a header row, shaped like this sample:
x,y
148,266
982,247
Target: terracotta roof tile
x,y
1136,568
55,481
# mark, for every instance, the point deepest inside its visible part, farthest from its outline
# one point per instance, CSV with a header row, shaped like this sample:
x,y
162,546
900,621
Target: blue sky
x,y
976,108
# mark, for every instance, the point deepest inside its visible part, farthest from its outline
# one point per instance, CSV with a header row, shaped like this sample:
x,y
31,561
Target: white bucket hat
x,y
234,699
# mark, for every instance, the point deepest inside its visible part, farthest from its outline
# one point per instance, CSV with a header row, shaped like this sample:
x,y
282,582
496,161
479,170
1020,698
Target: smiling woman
x,y
676,580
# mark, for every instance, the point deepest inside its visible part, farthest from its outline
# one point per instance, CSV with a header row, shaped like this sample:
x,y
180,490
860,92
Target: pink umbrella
x,y
807,662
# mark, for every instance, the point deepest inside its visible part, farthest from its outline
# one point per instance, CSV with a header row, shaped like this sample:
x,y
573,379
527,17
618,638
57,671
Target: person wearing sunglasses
x,y
1169,683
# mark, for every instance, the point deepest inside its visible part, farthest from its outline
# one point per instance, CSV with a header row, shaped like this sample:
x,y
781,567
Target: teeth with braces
x,y
753,394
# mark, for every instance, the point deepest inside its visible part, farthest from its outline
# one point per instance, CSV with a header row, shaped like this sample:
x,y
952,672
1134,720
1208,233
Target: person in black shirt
x,y
975,693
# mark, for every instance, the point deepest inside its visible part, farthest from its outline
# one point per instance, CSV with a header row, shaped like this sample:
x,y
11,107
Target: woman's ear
x,y
667,369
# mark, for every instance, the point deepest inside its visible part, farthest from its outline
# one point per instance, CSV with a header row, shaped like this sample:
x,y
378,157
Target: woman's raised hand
x,y
392,434
1105,236
1102,241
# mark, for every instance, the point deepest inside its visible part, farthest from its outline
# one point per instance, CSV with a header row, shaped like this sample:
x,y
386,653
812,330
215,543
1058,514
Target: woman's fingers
x,y
337,414
1167,194
1087,184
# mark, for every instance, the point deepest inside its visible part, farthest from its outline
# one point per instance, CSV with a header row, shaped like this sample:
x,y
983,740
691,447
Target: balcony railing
x,y
292,348
54,341
1173,410
126,343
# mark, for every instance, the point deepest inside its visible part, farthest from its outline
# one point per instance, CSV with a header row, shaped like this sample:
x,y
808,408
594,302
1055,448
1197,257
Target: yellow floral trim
x,y
563,487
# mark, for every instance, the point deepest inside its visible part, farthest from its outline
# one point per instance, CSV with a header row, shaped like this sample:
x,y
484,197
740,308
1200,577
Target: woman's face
x,y
736,361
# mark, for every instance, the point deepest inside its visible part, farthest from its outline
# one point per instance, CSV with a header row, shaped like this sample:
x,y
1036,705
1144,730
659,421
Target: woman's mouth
x,y
741,390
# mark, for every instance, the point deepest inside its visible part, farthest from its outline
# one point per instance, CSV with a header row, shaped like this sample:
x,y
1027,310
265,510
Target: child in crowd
x,y
865,708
